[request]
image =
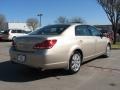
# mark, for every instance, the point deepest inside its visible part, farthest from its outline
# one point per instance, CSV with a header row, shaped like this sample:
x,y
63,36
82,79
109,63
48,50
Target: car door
x,y
100,41
87,42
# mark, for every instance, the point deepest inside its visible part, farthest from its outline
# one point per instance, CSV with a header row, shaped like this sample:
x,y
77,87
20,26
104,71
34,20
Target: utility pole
x,y
40,16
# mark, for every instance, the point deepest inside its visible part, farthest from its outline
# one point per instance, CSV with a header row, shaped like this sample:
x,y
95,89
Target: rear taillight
x,y
47,44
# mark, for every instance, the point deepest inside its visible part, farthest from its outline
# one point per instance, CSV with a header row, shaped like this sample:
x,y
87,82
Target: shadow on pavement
x,y
19,73
5,41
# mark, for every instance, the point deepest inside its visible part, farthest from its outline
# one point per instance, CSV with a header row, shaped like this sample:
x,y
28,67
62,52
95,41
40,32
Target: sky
x,y
21,10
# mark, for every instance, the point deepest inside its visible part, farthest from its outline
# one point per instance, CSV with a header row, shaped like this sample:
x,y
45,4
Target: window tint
x,y
17,31
94,31
13,31
50,30
27,32
82,31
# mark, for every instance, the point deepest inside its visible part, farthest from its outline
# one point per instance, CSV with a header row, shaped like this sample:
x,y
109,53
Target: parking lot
x,y
98,74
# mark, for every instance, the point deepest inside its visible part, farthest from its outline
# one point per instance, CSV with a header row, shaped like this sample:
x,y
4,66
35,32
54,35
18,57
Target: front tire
x,y
75,62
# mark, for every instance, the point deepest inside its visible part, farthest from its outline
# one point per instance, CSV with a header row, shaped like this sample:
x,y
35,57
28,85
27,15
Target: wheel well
x,y
109,45
80,51
13,37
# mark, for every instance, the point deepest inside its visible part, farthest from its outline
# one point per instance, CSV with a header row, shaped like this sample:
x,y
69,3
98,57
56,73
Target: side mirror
x,y
101,35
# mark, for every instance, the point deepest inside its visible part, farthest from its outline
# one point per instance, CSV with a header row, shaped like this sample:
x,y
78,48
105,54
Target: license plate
x,y
21,58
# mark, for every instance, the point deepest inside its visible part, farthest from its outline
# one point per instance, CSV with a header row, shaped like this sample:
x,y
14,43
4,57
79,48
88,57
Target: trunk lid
x,y
26,43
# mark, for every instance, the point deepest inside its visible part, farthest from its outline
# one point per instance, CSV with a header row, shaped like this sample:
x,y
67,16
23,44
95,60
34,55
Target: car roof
x,y
68,24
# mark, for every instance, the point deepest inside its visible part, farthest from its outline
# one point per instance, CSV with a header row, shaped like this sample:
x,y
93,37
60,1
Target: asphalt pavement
x,y
98,74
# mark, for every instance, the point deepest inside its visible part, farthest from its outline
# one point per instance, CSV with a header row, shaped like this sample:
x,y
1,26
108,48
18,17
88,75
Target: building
x,y
104,27
107,27
18,25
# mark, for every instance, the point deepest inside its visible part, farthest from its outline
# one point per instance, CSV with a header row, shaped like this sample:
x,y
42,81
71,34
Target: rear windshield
x,y
50,30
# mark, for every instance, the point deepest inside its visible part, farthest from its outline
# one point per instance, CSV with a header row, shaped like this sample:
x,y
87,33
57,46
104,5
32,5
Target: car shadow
x,y
19,73
5,40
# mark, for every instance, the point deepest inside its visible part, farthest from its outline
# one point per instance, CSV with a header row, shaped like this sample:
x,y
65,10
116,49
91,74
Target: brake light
x,y
47,44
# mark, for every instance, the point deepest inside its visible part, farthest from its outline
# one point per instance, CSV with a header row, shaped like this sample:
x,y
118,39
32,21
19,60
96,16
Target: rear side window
x,y
13,31
50,30
82,31
17,31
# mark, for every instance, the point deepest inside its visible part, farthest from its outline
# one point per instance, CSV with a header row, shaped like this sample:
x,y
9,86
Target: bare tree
x,y
2,22
32,23
61,20
77,20
112,9
64,20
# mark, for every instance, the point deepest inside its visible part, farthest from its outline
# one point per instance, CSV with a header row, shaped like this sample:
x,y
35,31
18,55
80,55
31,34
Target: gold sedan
x,y
60,46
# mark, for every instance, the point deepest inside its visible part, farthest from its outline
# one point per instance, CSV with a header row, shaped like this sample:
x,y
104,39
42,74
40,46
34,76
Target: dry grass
x,y
116,46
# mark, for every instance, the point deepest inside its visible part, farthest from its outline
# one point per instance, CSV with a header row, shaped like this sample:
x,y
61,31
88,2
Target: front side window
x,y
82,31
94,31
19,31
50,30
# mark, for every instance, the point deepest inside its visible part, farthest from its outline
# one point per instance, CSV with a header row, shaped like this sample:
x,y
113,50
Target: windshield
x,y
50,30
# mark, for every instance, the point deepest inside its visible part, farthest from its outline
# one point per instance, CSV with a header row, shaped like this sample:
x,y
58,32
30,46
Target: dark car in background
x,y
108,33
4,34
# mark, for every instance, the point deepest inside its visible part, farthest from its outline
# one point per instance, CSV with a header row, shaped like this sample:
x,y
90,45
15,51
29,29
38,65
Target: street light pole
x,y
40,15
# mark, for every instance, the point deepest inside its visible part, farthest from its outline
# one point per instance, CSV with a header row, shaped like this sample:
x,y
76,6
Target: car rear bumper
x,y
41,59
3,37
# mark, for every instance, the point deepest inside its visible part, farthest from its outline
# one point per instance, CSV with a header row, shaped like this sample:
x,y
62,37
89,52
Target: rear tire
x,y
75,62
